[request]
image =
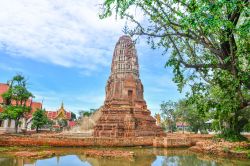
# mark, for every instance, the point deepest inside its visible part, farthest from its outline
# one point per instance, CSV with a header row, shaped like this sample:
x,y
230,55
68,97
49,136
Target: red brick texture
x,y
125,113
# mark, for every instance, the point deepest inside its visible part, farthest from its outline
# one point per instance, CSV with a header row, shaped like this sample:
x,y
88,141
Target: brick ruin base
x,y
126,122
72,141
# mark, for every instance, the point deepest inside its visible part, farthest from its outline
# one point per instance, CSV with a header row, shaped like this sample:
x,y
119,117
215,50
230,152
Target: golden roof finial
x,y
62,107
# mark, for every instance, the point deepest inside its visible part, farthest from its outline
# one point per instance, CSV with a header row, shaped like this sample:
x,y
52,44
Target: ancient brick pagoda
x,y
125,113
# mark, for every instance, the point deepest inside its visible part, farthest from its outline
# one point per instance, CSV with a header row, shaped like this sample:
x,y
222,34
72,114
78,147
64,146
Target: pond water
x,y
143,157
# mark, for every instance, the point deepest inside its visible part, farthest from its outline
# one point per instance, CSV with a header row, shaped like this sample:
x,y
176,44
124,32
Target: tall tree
x,y
39,119
15,100
181,113
194,118
168,109
209,43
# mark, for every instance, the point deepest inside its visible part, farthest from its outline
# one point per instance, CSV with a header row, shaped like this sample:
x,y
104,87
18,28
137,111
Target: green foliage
x,y
62,123
226,149
216,125
209,43
15,100
182,111
83,113
168,109
73,116
247,127
49,124
168,114
232,136
189,113
14,112
39,119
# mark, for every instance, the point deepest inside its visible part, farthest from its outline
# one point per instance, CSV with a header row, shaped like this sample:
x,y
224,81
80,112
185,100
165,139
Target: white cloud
x,y
63,32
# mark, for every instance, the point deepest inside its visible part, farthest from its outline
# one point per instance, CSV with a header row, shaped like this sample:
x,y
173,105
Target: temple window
x,y
121,51
130,94
131,110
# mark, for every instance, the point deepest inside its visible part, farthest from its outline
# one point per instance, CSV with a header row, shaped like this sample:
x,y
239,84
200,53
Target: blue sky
x,y
65,51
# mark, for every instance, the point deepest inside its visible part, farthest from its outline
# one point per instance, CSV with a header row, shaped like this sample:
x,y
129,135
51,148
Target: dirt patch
x,y
39,153
223,148
34,155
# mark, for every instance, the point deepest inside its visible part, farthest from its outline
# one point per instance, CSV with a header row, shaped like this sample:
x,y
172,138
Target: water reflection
x,y
143,157
182,160
7,161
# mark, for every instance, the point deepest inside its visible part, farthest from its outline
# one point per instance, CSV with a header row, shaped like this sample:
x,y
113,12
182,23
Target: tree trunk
x,y
16,125
170,126
36,129
27,123
237,126
182,128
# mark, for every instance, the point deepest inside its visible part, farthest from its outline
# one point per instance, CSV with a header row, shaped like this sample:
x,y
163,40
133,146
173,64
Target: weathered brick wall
x,y
61,141
172,142
67,142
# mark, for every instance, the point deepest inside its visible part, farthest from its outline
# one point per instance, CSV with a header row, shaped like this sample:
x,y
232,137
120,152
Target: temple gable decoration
x,y
61,113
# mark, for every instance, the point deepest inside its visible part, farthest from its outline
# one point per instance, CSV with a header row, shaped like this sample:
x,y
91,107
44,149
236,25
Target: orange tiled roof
x,y
34,105
54,114
51,114
3,88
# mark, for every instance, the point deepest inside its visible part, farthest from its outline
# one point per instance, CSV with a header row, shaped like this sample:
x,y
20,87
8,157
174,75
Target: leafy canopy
x,y
15,99
209,46
39,119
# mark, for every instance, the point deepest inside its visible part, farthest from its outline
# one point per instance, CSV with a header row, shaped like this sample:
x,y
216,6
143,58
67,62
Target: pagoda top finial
x,y
62,105
125,29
